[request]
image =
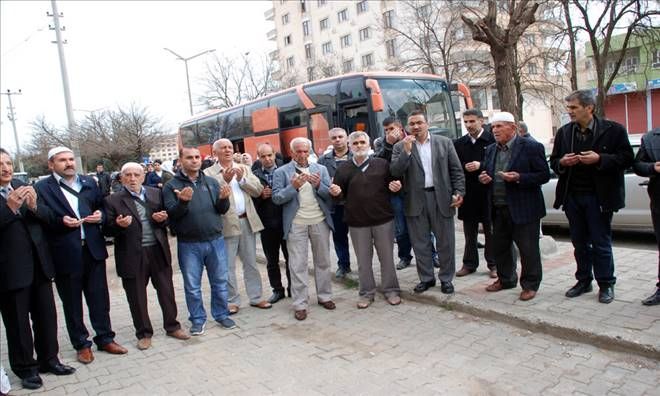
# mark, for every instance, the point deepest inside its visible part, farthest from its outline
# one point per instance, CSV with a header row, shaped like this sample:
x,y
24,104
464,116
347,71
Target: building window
x,y
347,66
326,48
310,73
364,34
655,63
367,60
362,6
325,23
285,18
287,40
531,68
309,52
321,3
306,30
631,64
495,99
388,19
391,48
342,15
289,63
345,41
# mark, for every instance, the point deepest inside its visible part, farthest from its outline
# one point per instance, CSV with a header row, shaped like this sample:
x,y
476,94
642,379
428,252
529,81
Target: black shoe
x,y
579,289
57,369
424,286
277,296
32,382
341,273
653,299
403,263
446,287
606,294
480,245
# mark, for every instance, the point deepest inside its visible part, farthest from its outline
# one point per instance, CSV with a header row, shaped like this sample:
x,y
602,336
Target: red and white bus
x,y
356,101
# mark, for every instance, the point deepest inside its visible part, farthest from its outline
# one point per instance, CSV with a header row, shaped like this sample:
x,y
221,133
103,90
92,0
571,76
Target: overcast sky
x,y
115,55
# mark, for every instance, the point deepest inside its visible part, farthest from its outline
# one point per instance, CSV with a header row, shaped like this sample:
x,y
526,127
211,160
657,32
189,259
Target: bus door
x,y
318,125
355,117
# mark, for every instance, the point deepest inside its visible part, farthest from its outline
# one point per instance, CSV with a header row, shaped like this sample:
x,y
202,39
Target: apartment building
x,y
165,150
322,38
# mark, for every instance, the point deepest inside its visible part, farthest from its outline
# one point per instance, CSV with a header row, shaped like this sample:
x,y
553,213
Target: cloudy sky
x,y
115,55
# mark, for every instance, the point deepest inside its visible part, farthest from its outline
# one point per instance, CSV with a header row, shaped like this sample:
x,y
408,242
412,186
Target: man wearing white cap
x,y
515,169
78,250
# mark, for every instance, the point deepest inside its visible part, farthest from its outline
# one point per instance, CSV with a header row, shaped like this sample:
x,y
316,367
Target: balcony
x,y
274,55
269,14
272,35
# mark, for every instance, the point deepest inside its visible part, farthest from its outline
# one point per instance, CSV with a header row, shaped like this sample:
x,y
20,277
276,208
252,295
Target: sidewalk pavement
x,y
623,325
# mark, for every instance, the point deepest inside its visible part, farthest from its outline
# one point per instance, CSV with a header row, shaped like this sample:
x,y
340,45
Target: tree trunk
x,y
504,79
571,42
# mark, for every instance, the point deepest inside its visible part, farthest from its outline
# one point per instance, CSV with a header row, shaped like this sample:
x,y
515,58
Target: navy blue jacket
x,y
524,198
65,242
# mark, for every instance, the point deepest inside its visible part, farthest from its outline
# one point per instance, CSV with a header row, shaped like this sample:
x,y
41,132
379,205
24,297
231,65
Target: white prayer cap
x,y
503,117
56,150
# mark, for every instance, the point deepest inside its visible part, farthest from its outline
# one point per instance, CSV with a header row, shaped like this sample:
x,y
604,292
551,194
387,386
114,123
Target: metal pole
x,y
67,93
13,124
185,61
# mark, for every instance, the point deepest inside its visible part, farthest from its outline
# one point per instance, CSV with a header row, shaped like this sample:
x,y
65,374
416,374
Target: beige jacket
x,y
252,188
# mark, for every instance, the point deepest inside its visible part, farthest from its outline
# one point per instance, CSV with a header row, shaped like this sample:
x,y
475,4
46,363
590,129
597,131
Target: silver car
x,y
635,216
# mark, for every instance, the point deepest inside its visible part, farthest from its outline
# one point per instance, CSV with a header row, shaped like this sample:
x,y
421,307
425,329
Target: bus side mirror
x,y
465,92
377,103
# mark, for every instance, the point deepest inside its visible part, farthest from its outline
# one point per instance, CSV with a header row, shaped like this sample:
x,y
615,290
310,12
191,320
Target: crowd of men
x,y
411,188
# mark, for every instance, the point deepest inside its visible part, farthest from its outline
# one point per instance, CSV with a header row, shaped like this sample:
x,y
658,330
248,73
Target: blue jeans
x,y
193,257
340,238
591,234
401,228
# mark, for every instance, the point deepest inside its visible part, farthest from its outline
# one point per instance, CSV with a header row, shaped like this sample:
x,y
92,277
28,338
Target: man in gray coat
x,y
302,188
434,186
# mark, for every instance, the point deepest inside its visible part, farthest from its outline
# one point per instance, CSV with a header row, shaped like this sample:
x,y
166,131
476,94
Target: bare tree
x,y
503,43
44,137
230,81
601,21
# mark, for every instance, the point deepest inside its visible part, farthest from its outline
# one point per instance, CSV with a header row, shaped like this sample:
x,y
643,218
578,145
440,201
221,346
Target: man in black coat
x,y
471,149
26,273
272,236
135,216
103,179
78,250
590,155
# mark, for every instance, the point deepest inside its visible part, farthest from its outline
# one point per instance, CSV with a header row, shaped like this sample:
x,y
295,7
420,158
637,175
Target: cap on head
x,y
503,117
56,150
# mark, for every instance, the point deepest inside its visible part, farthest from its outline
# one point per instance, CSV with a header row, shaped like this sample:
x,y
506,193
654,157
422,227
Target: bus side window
x,y
290,108
247,115
233,130
352,89
208,131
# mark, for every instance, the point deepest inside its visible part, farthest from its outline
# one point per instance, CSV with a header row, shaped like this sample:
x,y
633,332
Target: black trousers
x,y
17,307
471,254
526,237
93,283
272,239
152,266
655,216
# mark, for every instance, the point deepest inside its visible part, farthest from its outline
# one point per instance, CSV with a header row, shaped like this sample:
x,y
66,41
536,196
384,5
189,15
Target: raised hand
x,y
225,191
95,217
334,190
71,222
185,194
159,217
124,221
484,178
314,179
408,143
395,186
267,192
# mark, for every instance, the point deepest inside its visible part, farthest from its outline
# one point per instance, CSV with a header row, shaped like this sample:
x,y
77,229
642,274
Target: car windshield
x,y
403,96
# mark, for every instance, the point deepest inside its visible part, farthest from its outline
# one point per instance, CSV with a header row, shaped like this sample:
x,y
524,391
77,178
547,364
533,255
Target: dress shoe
x,y
364,303
32,382
329,305
277,296
300,314
497,286
492,273
606,294
85,356
579,289
403,264
424,286
144,343
653,299
233,309
263,304
394,300
114,348
57,369
446,287
527,295
179,334
341,273
480,245
464,271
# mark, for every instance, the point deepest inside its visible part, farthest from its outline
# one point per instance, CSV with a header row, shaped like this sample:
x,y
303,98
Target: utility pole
x,y
185,61
75,146
12,118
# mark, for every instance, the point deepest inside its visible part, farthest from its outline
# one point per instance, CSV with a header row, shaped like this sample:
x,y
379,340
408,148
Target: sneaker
x,y
653,299
403,264
226,323
197,329
341,273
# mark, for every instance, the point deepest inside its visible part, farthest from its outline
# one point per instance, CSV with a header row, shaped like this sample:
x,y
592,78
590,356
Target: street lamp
x,y
185,61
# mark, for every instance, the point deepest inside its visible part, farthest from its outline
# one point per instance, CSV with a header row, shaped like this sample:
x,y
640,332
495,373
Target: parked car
x,y
635,216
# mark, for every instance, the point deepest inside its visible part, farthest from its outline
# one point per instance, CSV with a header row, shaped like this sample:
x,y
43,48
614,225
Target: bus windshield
x,y
402,96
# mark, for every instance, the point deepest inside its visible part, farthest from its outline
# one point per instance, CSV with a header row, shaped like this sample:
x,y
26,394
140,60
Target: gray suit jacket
x,y
284,194
448,177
